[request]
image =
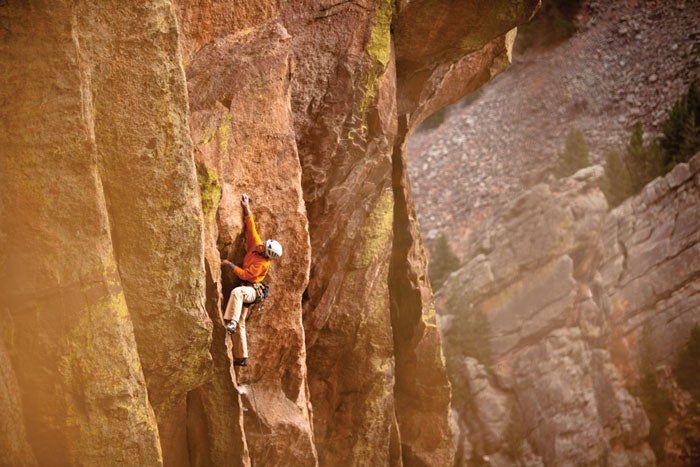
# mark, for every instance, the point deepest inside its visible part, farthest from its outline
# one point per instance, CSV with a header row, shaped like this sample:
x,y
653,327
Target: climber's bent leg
x,y
239,296
240,340
234,309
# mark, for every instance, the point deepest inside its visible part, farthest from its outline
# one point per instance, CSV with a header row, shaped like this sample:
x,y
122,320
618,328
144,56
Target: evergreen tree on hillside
x,y
442,261
575,155
681,130
470,334
688,367
657,403
627,174
645,162
553,23
617,182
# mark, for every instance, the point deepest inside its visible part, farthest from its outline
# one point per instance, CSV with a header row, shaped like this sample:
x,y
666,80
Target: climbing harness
x,y
262,290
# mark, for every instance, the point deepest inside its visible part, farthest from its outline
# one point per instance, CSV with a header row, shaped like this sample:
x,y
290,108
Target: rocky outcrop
x,y
440,60
101,229
131,129
372,376
563,288
552,389
650,267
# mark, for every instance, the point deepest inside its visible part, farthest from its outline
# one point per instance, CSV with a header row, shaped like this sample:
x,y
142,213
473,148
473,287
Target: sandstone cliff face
x,y
102,278
129,131
564,289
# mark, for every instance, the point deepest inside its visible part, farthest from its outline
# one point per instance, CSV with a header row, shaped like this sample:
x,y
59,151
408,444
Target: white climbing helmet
x,y
273,249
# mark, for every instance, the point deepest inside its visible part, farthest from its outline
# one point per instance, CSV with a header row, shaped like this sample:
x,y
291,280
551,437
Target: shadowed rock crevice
x,y
418,379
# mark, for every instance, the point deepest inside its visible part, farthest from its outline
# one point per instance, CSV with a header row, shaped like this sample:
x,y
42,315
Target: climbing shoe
x,y
240,362
231,327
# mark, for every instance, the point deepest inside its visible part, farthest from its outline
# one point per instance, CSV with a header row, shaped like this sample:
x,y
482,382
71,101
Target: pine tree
x,y
471,330
691,138
442,261
688,367
617,182
575,155
681,129
645,162
657,403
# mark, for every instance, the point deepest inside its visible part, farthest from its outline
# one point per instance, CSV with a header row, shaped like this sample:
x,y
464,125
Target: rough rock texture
x,y
567,288
13,435
230,80
130,130
96,205
651,267
343,102
552,395
682,430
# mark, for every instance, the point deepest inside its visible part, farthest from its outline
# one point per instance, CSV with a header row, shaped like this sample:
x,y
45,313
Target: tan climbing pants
x,y
235,312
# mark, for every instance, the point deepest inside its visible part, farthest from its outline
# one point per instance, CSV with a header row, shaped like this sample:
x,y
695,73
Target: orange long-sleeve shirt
x,y
255,265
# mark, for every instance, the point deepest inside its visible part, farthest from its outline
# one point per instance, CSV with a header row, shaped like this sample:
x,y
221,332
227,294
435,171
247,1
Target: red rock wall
x,y
102,278
244,143
130,132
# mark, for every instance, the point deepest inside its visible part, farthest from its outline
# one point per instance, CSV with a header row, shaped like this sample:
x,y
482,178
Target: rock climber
x,y
256,263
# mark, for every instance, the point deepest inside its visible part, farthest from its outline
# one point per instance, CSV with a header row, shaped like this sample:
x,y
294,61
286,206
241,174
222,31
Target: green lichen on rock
x,y
102,370
510,12
472,43
207,134
376,413
429,315
225,131
376,232
221,127
210,192
379,50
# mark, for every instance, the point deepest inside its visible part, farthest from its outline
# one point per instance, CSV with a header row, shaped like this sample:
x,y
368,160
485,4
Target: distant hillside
x,y
629,61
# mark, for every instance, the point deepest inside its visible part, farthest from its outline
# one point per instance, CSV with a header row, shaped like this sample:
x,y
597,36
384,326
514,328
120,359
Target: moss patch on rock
x,y
210,192
379,50
375,234
106,392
